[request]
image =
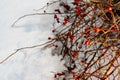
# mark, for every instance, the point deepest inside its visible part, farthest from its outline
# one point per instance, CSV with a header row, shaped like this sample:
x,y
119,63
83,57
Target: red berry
x,y
49,38
65,22
59,74
56,46
55,16
76,1
78,10
69,34
75,54
96,30
87,34
109,8
114,29
71,39
82,61
87,42
53,30
78,79
75,76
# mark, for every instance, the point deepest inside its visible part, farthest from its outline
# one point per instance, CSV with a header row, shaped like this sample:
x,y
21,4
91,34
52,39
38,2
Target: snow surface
x,y
30,64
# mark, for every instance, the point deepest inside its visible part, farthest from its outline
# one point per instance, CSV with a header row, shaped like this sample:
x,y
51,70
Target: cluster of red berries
x,y
82,40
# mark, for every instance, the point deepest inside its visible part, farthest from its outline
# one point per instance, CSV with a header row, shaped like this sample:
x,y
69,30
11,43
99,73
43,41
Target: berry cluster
x,y
89,39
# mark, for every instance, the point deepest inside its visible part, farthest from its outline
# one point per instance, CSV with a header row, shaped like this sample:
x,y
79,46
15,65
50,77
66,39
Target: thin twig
x,y
48,4
35,14
34,46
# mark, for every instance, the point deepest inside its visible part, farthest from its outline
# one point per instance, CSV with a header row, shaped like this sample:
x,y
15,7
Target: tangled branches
x,y
89,37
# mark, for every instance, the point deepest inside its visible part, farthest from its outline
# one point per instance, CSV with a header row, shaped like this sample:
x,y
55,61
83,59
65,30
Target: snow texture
x,y
30,64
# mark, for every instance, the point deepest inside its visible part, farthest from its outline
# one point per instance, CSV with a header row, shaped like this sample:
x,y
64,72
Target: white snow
x,y
30,64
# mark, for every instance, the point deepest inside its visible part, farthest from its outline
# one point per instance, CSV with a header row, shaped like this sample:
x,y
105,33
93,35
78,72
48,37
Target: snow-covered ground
x,y
30,64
